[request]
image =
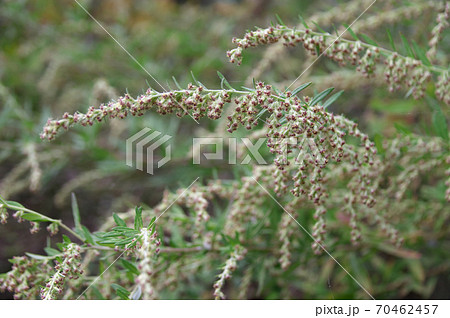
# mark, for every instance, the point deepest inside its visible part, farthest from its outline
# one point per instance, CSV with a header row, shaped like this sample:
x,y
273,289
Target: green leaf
x,y
66,239
51,251
391,41
261,279
319,28
317,48
321,96
247,89
152,222
300,88
195,80
349,29
129,266
407,47
378,139
76,212
303,21
332,99
176,83
119,220
138,223
440,125
87,235
224,81
416,269
402,129
201,84
98,295
336,31
421,54
15,204
33,217
279,20
38,257
262,112
121,292
368,40
278,92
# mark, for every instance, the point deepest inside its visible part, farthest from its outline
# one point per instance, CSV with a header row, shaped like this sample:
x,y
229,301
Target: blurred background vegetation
x,y
54,58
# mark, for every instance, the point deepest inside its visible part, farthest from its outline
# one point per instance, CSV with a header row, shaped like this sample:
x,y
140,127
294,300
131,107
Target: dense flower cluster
x,y
25,278
147,247
3,214
436,33
341,13
195,101
227,270
410,72
69,268
301,166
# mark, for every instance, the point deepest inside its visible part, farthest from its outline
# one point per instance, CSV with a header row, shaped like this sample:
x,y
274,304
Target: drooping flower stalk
x,y
400,70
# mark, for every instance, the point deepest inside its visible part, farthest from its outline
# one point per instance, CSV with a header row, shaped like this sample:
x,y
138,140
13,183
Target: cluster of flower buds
x,y
69,268
53,228
35,227
319,140
355,234
242,211
253,38
406,70
25,277
286,229
443,88
195,101
319,230
400,70
195,199
3,214
249,105
436,33
146,247
227,270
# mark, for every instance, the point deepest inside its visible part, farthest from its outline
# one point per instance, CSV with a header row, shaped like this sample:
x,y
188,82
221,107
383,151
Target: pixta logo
x,y
141,147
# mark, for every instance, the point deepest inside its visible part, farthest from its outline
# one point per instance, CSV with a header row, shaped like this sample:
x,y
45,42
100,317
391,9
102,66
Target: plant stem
x,y
44,218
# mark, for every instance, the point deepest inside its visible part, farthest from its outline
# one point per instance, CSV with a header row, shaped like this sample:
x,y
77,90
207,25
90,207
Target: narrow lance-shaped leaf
x,y
300,88
332,99
195,80
129,266
121,292
368,40
421,54
138,223
224,81
321,96
391,41
440,125
349,30
319,28
33,217
279,20
303,21
407,47
176,83
76,212
87,235
119,220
